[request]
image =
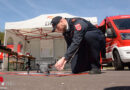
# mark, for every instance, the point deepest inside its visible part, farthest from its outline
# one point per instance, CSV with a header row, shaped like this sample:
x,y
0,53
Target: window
x,y
122,24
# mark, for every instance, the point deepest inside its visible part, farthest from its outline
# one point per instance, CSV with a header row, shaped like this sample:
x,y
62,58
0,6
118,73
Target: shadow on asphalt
x,y
118,88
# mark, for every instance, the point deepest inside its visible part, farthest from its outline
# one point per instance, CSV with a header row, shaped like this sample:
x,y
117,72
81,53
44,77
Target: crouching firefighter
x,y
84,44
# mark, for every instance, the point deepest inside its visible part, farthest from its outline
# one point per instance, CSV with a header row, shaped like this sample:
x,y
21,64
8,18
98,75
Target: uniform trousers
x,y
88,55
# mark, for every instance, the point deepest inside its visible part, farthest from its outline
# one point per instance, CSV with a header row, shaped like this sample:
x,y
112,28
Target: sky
x,y
19,10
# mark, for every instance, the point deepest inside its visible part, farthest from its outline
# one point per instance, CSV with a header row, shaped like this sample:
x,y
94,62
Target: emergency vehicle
x,y
117,32
12,48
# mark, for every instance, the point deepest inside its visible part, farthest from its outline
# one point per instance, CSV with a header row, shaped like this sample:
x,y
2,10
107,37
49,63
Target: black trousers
x,y
88,55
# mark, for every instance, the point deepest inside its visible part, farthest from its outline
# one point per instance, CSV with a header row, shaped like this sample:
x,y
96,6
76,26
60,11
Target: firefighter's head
x,y
59,24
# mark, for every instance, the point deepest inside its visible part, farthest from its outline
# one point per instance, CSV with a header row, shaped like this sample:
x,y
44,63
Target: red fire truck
x,y
117,32
11,47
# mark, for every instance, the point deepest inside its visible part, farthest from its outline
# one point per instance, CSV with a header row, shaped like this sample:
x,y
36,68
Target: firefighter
x,y
84,44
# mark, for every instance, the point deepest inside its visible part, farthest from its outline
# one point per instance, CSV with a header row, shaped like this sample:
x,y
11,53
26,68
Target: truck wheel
x,y
118,65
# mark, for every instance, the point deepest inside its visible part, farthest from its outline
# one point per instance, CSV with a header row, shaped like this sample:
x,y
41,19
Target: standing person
x,y
84,44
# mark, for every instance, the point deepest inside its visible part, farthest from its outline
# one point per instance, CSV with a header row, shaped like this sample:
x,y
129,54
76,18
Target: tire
x,y
118,65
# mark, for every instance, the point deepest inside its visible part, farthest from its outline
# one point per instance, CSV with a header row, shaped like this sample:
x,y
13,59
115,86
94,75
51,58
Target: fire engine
x,y
11,47
117,32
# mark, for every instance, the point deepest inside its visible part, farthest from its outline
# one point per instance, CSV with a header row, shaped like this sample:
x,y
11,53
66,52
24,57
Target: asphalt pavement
x,y
108,80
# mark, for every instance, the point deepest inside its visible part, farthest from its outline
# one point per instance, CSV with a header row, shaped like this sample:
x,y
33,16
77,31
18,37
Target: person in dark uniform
x,y
84,44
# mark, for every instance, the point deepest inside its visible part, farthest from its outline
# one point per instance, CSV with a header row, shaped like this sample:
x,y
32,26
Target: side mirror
x,y
109,33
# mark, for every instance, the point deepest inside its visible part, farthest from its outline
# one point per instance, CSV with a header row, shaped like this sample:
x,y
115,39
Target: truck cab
x,y
117,32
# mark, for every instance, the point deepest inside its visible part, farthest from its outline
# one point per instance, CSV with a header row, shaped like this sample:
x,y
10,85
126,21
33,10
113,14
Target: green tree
x,y
2,37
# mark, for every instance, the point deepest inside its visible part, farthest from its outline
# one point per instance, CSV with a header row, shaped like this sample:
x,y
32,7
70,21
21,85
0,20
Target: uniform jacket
x,y
75,34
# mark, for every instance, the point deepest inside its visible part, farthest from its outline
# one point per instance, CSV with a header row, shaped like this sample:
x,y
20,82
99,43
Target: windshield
x,y
122,24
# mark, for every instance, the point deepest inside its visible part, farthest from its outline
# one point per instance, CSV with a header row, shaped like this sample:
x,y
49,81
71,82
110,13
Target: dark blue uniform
x,y
84,42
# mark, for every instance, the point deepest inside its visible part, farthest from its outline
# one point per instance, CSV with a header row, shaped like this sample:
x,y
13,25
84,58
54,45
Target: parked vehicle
x,y
117,32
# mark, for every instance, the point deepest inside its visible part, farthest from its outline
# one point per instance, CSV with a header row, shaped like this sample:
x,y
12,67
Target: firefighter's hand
x,y
60,64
